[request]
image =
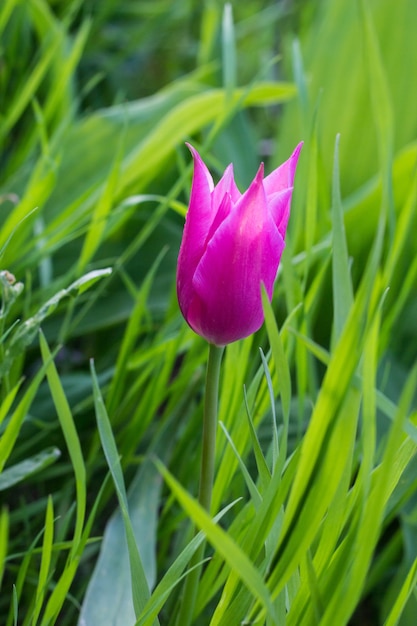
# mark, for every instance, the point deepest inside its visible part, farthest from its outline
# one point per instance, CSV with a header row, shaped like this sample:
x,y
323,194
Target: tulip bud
x,y
232,243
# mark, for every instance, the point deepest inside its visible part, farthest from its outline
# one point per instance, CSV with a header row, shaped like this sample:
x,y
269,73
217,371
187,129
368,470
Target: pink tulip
x,y
232,243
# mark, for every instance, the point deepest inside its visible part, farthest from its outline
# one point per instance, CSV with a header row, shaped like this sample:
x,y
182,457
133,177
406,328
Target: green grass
x,y
101,380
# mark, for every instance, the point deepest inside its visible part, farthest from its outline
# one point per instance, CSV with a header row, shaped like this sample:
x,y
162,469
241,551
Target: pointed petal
x,y
253,202
279,205
222,213
197,225
200,170
226,185
283,176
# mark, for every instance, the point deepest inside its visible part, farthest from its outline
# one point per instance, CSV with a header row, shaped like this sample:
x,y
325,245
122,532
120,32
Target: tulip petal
x,y
279,205
197,225
222,213
201,174
226,185
283,176
244,252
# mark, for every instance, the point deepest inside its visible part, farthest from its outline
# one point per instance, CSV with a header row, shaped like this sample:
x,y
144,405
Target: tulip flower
x,y
232,243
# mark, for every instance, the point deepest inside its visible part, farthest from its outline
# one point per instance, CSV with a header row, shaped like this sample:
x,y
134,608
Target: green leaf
x,y
300,528
101,213
71,438
280,360
108,600
223,544
397,453
48,539
275,442
382,113
27,331
401,600
140,588
130,335
4,536
18,472
342,285
11,432
254,493
261,464
174,575
61,589
7,402
229,51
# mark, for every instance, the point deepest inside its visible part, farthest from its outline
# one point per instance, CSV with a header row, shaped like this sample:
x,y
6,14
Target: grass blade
x,y
342,285
223,543
48,539
4,535
140,589
71,438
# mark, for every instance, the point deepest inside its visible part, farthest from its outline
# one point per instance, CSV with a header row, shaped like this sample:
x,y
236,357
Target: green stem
x,y
206,478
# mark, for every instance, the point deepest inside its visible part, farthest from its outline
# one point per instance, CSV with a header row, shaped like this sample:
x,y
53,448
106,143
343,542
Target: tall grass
x,y
102,381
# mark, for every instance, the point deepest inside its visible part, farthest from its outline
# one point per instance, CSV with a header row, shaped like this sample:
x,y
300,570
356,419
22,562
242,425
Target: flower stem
x,y
206,477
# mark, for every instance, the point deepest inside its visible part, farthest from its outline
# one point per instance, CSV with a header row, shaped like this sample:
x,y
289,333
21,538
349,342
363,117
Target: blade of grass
x,y
382,111
341,280
5,12
229,51
59,96
256,539
28,89
100,214
140,589
261,464
274,439
18,472
62,586
174,575
21,577
7,402
253,491
4,537
71,438
345,597
301,82
26,332
132,329
280,360
229,550
12,430
48,539
406,590
299,531
368,431
309,226
341,370
108,600
383,403
208,32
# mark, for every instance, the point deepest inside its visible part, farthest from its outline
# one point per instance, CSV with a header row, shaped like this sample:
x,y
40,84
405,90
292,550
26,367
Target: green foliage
x,y
315,492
